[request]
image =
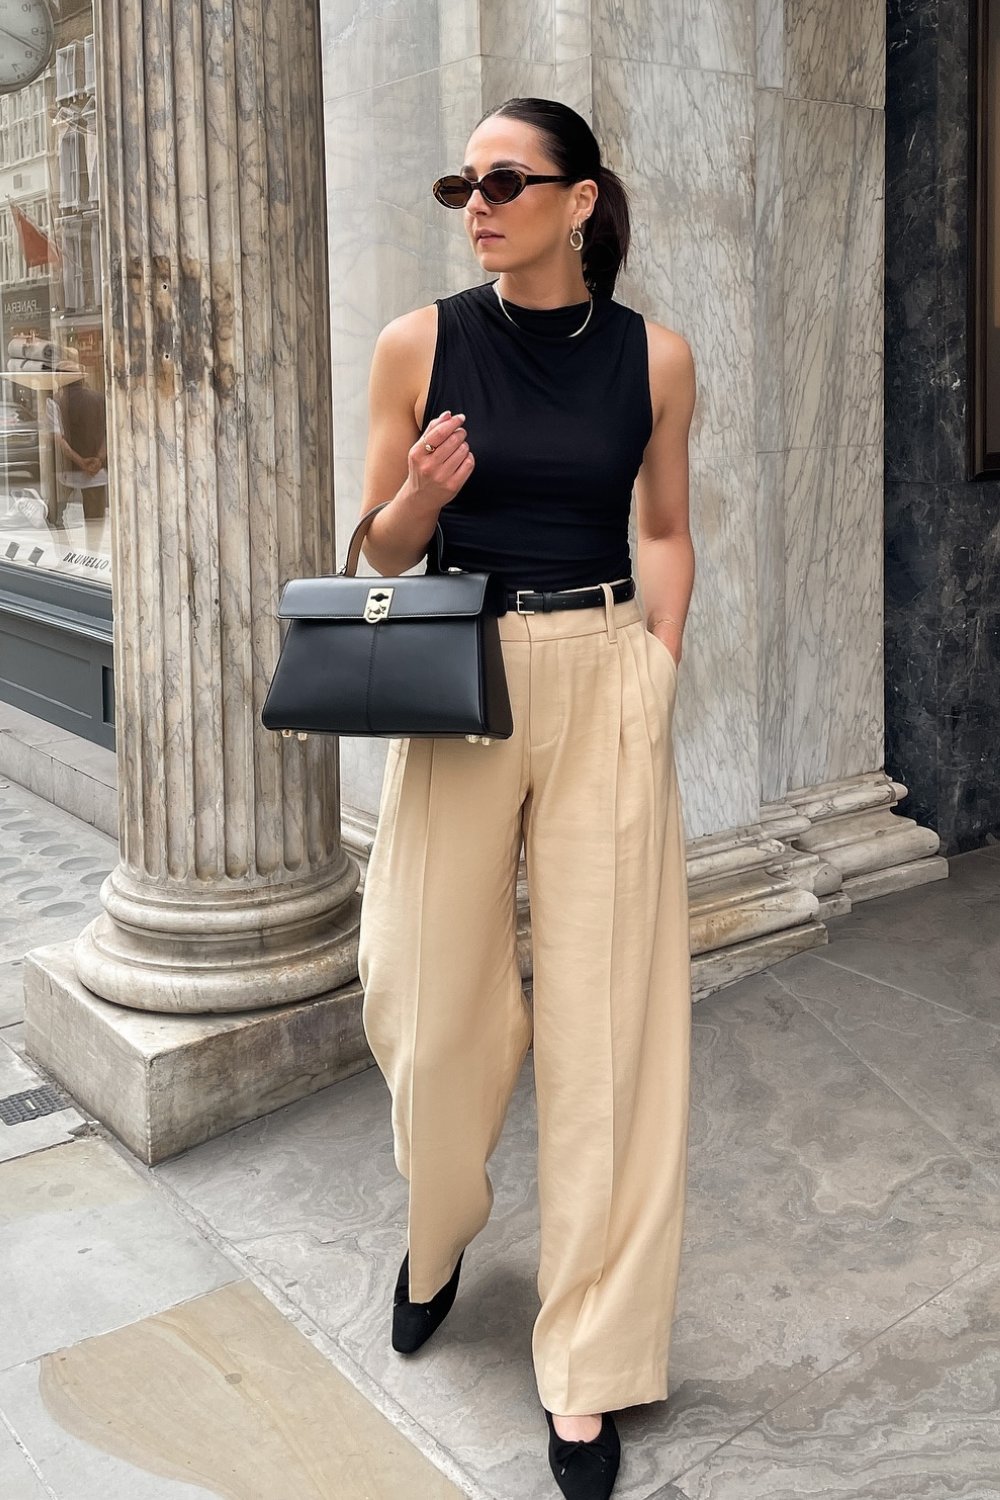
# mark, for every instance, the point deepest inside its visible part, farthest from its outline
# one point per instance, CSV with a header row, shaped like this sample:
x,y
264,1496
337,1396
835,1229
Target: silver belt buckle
x,y
517,601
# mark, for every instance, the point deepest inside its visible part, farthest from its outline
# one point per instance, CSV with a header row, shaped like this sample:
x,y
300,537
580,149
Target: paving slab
x,y
939,941
912,1416
11,992
51,870
943,1062
18,1480
86,1245
17,1077
220,1395
821,1209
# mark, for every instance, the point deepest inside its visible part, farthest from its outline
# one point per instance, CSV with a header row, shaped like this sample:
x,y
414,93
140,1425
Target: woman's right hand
x,y
436,478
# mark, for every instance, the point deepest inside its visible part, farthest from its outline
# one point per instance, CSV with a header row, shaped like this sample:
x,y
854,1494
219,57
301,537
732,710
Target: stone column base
x,y
853,827
760,893
162,1083
753,900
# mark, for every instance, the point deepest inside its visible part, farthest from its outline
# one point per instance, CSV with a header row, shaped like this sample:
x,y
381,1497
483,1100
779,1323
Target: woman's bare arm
x,y
397,466
666,554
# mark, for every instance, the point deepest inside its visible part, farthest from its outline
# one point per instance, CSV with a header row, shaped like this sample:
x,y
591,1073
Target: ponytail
x,y
572,146
606,234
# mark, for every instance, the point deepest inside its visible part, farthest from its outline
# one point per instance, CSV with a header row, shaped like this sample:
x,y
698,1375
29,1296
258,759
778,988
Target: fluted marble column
x,y
233,890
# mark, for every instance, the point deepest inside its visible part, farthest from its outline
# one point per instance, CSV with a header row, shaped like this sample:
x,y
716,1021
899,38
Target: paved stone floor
x,y
218,1325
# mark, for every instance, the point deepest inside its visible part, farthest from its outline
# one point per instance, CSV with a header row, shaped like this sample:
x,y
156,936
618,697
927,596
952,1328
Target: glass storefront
x,y
53,437
56,636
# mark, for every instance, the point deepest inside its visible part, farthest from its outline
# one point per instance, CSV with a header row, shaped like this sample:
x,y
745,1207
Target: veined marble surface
x,y
751,139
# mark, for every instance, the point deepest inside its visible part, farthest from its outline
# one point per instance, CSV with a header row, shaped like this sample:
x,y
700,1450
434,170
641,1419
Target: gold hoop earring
x,y
576,238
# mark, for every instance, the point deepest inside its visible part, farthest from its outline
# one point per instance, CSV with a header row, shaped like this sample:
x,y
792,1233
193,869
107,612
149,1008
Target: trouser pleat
x,y
444,1010
589,782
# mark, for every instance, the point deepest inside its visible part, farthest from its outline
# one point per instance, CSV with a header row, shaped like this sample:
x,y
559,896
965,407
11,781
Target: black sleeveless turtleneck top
x,y
557,427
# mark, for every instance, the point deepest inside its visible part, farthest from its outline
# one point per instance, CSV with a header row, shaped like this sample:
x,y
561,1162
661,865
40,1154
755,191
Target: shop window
x,y
53,425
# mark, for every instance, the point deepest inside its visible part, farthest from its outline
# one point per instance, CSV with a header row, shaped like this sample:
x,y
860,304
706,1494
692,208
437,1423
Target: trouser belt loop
x,y
609,611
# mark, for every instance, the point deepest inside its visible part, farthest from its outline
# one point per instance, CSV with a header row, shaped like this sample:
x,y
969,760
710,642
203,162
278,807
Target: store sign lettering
x,y
24,307
86,560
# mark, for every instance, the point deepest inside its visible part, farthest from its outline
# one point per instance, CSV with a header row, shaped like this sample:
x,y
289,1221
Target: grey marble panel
x,y
348,38
421,127
939,942
459,29
348,124
942,1063
684,143
833,272
574,84
573,31
362,764
717,708
834,693
351,193
770,43
521,30
509,78
835,52
408,246
769,301
703,35
461,105
406,38
913,1414
348,481
772,636
369,44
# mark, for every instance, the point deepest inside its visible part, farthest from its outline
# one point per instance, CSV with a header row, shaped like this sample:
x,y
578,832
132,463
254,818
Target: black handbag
x,y
417,655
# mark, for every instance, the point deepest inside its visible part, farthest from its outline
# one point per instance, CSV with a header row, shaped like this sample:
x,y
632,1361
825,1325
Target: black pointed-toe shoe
x,y
585,1471
414,1322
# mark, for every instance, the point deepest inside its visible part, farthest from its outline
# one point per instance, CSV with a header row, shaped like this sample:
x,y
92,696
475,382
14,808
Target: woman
x,y
519,414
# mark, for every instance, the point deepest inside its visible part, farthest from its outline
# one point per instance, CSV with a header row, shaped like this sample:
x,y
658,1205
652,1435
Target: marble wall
x,y
942,531
751,138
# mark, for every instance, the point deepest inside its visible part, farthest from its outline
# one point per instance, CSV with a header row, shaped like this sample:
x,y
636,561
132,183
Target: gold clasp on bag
x,y
377,604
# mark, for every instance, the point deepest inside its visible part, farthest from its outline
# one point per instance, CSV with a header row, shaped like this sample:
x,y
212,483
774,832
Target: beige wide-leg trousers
x,y
588,782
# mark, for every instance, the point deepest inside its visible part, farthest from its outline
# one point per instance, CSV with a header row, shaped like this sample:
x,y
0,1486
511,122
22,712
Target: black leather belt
x,y
540,601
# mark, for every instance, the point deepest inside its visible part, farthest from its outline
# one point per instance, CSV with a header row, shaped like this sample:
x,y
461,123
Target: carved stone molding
x,y
853,826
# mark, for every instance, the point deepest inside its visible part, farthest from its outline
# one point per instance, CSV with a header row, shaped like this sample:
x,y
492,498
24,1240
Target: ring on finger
x,y
429,447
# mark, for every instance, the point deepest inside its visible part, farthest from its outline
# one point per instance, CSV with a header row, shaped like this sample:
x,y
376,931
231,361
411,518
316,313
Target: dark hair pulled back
x,y
572,146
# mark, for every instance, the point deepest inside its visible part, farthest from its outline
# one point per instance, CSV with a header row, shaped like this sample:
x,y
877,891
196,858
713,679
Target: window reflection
x,y
53,434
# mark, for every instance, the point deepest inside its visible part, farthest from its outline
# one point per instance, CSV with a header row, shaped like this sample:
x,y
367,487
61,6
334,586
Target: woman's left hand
x,y
673,646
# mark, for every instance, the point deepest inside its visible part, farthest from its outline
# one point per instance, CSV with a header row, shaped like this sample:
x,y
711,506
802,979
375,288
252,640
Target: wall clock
x,y
27,41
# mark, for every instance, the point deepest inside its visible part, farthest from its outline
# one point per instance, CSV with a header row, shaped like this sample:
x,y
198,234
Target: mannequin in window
x,y
80,431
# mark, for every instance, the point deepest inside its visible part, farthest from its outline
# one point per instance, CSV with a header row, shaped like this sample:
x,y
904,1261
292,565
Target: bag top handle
x,y
350,567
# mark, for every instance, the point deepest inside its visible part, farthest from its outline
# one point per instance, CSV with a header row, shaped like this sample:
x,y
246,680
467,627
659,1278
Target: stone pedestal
x,y
166,1083
234,893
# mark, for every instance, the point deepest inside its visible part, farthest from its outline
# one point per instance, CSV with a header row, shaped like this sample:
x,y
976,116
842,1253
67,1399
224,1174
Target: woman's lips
x,y
481,238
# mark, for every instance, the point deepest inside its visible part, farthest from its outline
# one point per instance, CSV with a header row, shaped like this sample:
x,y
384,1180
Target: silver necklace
x,y
590,309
